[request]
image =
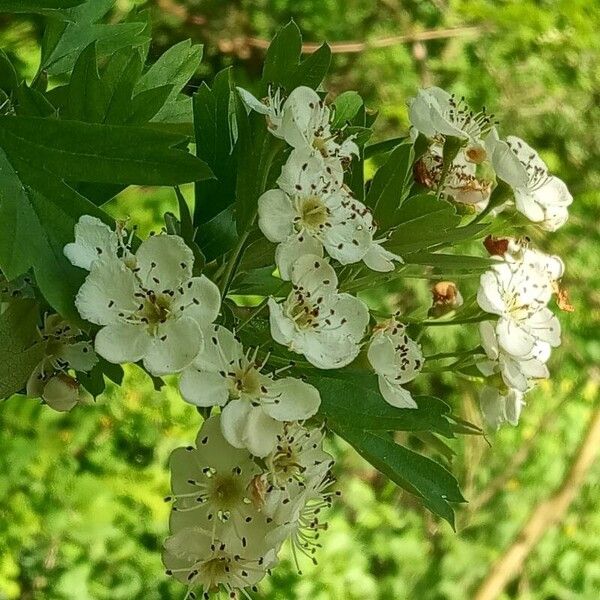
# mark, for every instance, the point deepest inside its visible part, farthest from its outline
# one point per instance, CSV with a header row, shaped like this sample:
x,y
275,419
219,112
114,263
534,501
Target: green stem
x,y
442,355
256,311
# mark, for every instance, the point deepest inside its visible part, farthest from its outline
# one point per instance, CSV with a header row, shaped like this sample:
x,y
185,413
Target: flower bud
x,y
446,297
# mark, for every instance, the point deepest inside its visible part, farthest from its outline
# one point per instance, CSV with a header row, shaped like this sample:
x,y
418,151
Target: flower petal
x,y
164,262
79,356
93,239
123,342
233,422
107,291
174,347
203,388
395,394
198,298
276,215
260,432
350,316
289,251
514,338
294,400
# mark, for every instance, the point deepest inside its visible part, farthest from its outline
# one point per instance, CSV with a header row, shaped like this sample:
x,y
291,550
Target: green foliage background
x,y
81,511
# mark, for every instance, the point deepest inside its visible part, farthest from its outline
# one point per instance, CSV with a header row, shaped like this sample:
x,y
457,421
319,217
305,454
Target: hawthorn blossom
x,y
255,403
517,372
466,182
434,112
50,380
541,197
153,312
96,240
218,538
306,205
518,293
271,107
315,319
397,359
498,408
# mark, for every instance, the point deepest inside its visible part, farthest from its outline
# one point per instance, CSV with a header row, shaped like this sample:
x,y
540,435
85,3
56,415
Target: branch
x,y
544,516
354,47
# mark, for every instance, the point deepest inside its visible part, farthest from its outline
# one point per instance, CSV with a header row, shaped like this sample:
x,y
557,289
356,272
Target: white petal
x,y
251,102
107,291
395,394
379,259
419,114
282,328
79,356
302,173
260,432
506,164
276,215
164,262
289,251
545,327
174,347
514,405
351,316
382,355
233,422
526,204
489,341
203,388
489,296
123,342
93,239
315,275
514,338
493,407
61,393
348,239
219,350
295,400
326,350
200,300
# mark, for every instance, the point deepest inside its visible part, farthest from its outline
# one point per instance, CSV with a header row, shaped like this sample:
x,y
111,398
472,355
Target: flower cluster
x,y
258,475
480,158
518,344
230,516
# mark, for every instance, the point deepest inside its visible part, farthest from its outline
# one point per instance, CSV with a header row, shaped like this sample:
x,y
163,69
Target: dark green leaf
x,y
383,147
346,107
390,186
36,6
312,69
219,235
423,220
445,262
21,348
213,123
283,56
415,473
361,406
86,152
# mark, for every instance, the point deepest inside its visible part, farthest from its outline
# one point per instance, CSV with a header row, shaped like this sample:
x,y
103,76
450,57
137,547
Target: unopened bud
x,y
446,297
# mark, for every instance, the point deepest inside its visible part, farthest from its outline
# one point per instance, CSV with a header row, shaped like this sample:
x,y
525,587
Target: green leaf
x,y
423,220
86,152
355,175
390,186
36,6
312,69
283,66
21,348
175,68
417,474
283,56
214,129
359,405
446,262
219,235
65,40
383,146
346,107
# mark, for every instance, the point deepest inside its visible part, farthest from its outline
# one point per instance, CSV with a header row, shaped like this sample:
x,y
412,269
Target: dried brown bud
x,y
496,246
446,293
562,299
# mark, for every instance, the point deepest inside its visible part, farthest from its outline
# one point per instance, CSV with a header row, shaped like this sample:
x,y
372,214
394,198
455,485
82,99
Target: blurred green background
x,y
81,511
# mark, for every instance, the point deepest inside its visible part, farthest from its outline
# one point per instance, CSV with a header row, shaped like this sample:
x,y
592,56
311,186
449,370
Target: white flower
x,y
518,293
218,538
271,107
316,320
498,408
465,181
435,112
50,379
255,404
95,240
308,206
517,372
552,265
306,125
153,312
541,197
397,359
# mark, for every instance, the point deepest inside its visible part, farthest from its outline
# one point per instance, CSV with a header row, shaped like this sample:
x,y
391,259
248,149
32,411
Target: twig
x,y
544,516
